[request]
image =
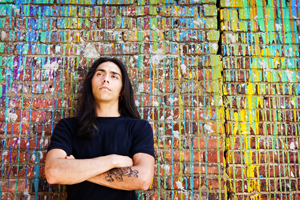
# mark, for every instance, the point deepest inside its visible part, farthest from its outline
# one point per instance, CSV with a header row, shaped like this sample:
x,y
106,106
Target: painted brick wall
x,y
260,56
170,50
218,82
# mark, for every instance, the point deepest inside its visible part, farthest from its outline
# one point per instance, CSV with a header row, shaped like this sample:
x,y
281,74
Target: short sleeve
x,y
62,137
142,139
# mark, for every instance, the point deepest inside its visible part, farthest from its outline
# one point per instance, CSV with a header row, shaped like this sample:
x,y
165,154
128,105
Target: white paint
x,y
3,35
26,192
293,145
167,168
11,117
198,22
292,174
33,157
172,100
137,103
141,87
179,185
90,51
278,27
155,103
289,74
183,68
263,64
157,57
195,102
50,67
220,101
292,102
227,3
171,116
208,128
156,91
176,134
126,49
57,49
231,37
215,46
16,9
154,28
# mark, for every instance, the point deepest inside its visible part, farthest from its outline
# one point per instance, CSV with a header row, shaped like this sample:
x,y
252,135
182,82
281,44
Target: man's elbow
x,y
145,183
50,176
53,175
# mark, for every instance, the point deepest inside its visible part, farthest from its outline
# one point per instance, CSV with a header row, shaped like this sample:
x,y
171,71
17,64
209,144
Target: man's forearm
x,y
127,178
72,171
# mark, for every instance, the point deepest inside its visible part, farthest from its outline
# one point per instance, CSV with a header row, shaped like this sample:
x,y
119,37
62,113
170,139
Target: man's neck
x,y
107,110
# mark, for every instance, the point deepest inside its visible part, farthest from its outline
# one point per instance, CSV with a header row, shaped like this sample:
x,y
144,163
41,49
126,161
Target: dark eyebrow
x,y
112,72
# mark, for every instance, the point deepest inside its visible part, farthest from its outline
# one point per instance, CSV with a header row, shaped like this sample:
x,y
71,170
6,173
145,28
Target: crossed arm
x,y
114,171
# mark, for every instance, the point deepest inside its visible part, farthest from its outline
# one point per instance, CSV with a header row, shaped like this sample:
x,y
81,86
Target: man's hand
x,y
121,161
70,157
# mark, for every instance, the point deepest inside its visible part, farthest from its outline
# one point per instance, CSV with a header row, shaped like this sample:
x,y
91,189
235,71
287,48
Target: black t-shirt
x,y
116,135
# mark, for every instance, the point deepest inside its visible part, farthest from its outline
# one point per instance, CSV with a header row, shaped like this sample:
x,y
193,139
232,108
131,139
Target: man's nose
x,y
105,79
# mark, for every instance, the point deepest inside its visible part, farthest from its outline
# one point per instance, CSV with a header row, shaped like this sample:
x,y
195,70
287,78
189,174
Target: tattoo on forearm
x,y
119,173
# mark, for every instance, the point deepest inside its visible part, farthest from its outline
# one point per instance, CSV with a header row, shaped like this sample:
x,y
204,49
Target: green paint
x,y
1,47
118,21
215,61
213,35
139,35
153,23
211,23
244,13
43,37
210,10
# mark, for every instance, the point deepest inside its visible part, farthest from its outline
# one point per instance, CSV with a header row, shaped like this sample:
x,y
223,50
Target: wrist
x,y
113,161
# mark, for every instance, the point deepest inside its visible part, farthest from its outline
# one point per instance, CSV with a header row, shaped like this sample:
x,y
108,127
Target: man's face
x,y
107,82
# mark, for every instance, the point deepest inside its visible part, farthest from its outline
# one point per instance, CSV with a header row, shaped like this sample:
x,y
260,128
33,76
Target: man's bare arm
x,y
60,170
137,177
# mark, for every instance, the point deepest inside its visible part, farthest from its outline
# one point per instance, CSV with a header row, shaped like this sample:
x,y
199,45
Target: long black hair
x,y
86,110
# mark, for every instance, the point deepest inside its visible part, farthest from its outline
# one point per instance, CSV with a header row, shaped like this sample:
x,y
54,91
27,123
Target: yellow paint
x,y
176,10
245,132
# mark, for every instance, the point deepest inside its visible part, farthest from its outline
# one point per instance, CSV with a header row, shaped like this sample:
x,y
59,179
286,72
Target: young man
x,y
106,152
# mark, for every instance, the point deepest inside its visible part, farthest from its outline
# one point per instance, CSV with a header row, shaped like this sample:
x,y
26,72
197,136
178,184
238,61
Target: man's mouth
x,y
106,88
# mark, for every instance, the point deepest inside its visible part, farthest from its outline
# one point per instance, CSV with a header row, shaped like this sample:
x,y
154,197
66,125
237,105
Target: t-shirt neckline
x,y
110,118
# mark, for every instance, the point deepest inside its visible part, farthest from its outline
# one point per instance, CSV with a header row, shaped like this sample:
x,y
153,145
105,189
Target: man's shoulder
x,y
135,120
68,121
138,124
